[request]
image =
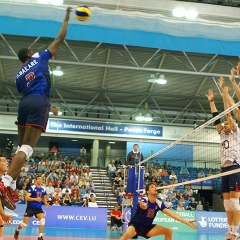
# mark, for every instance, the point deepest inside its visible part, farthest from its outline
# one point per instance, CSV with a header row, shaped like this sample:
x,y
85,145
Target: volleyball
x,y
82,13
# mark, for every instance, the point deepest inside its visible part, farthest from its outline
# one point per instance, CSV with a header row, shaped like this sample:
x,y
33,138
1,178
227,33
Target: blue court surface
x,y
31,233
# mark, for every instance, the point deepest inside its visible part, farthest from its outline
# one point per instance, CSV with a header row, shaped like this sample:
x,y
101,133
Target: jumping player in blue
x,y
33,82
35,196
141,222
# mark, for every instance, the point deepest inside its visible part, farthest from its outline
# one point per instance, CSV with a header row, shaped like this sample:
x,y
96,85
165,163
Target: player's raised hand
x,y
142,205
68,11
211,95
191,224
238,69
232,76
221,82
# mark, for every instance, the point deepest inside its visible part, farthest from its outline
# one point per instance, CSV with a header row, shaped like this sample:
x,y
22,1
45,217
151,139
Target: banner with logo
x,y
176,226
67,217
212,222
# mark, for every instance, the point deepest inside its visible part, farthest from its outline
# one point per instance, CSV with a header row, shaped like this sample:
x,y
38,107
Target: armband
x,y
218,121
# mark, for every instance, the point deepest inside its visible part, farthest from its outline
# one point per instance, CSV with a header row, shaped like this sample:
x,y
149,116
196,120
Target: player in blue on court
x,y
33,82
35,196
141,223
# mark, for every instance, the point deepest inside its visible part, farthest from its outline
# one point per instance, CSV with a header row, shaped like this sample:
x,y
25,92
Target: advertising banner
x,y
67,217
110,128
164,220
212,222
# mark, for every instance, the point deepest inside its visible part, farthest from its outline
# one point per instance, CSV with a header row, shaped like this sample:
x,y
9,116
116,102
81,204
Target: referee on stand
x,y
134,157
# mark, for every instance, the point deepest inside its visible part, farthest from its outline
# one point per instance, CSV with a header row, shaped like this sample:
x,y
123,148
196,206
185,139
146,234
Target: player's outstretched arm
x,y
231,122
178,218
61,34
234,83
210,96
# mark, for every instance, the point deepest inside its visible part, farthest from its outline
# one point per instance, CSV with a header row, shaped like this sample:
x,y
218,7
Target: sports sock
x,y
40,234
230,227
235,230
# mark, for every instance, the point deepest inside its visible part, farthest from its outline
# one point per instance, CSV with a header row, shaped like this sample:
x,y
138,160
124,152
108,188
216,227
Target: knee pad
x,y
234,203
18,148
42,221
227,205
27,150
23,225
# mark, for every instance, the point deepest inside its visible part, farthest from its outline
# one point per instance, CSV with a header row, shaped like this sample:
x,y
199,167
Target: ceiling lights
x,y
57,71
156,78
53,2
181,12
147,117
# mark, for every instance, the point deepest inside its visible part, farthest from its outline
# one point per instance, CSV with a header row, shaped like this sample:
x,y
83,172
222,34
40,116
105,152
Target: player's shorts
x,y
229,182
33,111
141,229
30,212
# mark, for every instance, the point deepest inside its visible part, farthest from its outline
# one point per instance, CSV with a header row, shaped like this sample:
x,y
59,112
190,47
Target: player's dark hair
x,y
37,177
23,54
135,144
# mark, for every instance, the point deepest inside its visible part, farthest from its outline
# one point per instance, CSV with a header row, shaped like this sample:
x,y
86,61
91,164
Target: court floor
x,y
31,233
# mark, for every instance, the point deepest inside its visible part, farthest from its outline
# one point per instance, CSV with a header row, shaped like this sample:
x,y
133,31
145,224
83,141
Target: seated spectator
x,y
54,150
57,191
180,207
65,189
52,175
162,195
157,163
60,170
75,200
56,199
67,167
177,195
169,167
192,205
84,203
173,175
41,165
199,206
54,164
56,203
201,174
116,217
74,190
185,195
170,193
163,173
74,177
82,191
184,170
88,194
92,201
82,182
50,189
210,172
168,204
66,199
90,184
74,169
88,175
189,191
33,167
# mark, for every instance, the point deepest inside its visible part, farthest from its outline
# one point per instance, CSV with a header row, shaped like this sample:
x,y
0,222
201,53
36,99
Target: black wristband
x,y
218,121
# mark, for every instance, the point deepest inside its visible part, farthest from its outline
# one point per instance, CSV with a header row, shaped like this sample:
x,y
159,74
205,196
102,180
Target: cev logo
x,y
36,223
203,222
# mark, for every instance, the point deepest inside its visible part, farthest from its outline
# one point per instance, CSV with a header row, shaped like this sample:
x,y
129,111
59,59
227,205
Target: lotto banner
x,y
67,217
212,222
164,220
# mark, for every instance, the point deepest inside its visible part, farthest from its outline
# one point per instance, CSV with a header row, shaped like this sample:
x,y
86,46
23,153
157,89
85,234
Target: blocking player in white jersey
x,y
230,150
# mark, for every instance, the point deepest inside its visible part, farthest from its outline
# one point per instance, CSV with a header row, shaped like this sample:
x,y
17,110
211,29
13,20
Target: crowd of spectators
x,y
179,198
68,181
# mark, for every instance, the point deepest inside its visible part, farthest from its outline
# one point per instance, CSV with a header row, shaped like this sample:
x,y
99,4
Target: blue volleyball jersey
x,y
146,217
33,77
35,193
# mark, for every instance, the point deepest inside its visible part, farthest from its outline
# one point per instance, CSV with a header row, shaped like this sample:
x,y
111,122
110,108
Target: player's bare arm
x,y
61,34
210,96
178,218
231,122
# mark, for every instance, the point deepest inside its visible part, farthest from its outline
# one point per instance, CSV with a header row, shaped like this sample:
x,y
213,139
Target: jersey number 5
x,y
30,77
